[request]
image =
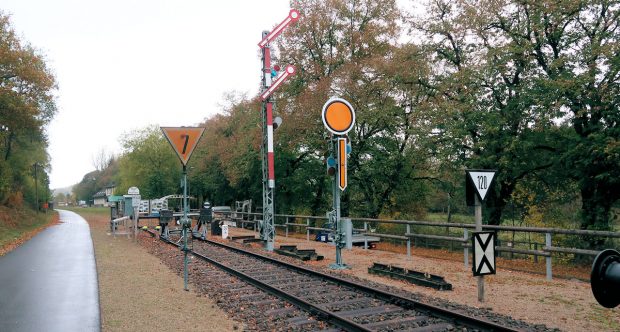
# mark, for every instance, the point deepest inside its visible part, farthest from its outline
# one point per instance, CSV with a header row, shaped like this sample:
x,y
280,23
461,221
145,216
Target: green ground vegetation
x,y
15,223
89,211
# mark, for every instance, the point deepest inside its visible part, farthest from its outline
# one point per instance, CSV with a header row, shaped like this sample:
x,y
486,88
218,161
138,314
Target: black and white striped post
x,y
477,185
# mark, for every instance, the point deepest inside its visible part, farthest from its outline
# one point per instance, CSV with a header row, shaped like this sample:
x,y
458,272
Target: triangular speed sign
x,y
183,140
482,180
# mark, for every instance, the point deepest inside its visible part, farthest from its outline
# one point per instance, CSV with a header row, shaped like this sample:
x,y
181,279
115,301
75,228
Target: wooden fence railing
x,y
546,250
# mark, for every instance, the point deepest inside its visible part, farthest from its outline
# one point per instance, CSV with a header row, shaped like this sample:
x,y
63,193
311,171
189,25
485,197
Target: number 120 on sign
x,y
481,180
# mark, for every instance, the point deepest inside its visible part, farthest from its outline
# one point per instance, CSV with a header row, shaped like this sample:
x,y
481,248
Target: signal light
x,y
274,71
331,166
605,278
277,122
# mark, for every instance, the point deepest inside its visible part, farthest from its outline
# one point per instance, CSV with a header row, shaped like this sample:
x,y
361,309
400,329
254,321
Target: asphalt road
x,y
50,282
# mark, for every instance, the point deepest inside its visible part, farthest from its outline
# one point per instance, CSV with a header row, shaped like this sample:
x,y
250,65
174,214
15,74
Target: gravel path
x,y
139,293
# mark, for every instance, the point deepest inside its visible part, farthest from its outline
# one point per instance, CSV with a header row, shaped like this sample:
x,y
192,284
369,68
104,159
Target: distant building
x,y
109,189
100,199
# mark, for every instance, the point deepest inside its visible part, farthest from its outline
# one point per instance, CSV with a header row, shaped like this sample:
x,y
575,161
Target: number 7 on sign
x,y
183,140
185,145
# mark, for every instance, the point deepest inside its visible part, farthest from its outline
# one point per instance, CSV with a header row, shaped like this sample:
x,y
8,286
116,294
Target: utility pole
x,y
36,186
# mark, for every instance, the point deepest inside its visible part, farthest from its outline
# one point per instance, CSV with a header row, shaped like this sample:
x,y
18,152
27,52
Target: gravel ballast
x,y
564,304
139,293
559,304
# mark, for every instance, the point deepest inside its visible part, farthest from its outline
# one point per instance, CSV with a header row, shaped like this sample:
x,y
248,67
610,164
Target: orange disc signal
x,y
183,140
338,116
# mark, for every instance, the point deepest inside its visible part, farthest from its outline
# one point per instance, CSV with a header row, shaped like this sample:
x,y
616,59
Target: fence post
x,y
465,249
286,227
408,241
548,258
366,236
536,256
307,229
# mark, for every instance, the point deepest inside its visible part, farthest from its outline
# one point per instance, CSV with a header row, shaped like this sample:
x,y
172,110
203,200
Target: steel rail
x,y
389,297
347,324
321,313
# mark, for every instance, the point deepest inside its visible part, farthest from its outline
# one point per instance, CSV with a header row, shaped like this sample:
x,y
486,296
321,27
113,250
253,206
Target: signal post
x,y
338,117
183,141
267,227
477,185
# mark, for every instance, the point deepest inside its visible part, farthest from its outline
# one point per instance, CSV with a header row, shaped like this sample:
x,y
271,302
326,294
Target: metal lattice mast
x,y
267,229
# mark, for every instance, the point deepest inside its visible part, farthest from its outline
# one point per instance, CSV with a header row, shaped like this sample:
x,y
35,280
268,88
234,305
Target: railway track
x,y
328,302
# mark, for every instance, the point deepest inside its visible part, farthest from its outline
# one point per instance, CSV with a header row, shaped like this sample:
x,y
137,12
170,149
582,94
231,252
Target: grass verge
x,y
18,226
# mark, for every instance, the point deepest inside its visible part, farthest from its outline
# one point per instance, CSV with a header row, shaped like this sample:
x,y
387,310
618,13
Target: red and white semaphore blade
x,y
293,16
290,70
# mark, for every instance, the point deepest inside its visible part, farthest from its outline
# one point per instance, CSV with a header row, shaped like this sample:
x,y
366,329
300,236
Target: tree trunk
x,y
497,203
316,204
449,205
8,144
595,208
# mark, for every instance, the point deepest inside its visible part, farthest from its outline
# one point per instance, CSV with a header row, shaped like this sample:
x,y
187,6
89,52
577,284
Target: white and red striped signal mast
x,y
267,227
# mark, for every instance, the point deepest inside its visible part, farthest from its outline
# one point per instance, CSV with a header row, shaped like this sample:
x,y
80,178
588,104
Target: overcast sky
x,y
124,64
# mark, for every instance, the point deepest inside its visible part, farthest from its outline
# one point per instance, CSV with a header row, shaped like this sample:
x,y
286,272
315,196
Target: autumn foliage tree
x,y
149,163
512,79
525,87
27,105
348,49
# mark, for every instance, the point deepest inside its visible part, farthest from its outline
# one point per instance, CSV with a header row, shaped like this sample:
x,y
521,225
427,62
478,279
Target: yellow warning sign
x,y
183,140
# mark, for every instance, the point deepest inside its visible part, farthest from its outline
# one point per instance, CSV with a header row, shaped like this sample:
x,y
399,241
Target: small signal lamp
x,y
331,166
